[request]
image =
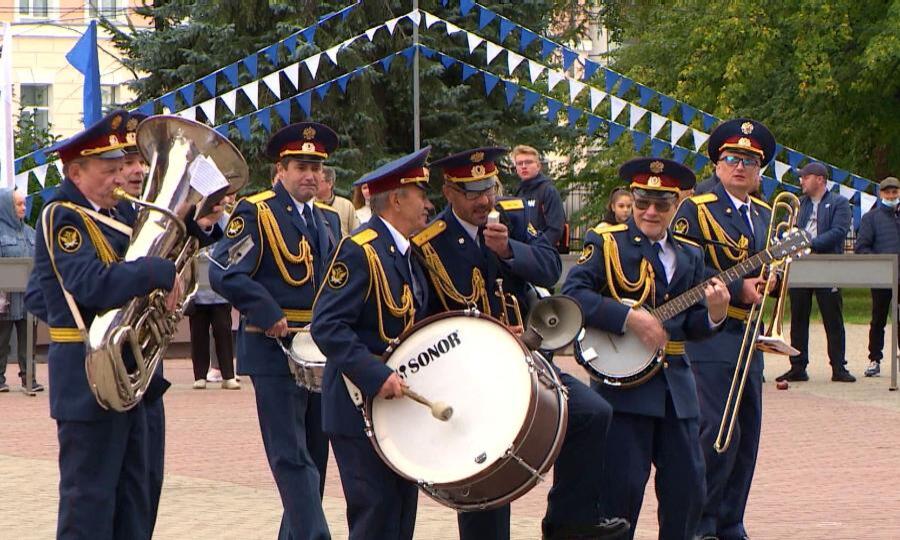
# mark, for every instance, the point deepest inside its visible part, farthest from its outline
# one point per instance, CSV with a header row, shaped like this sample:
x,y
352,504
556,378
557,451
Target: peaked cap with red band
x,y
105,139
742,135
655,174
407,170
472,170
306,141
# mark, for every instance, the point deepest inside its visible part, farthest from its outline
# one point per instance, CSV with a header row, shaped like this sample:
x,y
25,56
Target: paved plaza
x,y
829,463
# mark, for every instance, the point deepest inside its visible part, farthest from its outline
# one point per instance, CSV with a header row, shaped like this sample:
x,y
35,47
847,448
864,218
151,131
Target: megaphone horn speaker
x,y
557,319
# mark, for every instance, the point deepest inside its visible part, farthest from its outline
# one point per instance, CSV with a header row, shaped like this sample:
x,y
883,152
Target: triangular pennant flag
x,y
273,81
465,6
611,79
230,99
290,43
640,139
467,71
223,130
769,185
506,26
485,16
512,61
687,113
569,57
700,161
408,53
190,113
635,114
531,99
699,138
625,86
243,125
40,157
231,73
250,63
794,158
447,61
656,123
415,17
209,110
866,202
780,169
271,53
596,97
657,147
547,48
615,131
430,19
312,64
332,54
292,72
342,82
574,114
534,70
322,90
553,107
473,40
370,33
148,108
527,37
305,102
846,191
665,104
309,34
452,28
554,77
283,109
59,167
680,153
590,67
187,93
575,88
492,51
594,123
386,63
251,90
168,101
41,173
490,81
646,94
512,89
391,24
209,82
427,52
616,106
860,183
709,121
839,175
22,181
678,130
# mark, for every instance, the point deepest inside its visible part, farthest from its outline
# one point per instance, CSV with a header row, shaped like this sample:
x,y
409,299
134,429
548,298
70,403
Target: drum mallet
x,y
439,409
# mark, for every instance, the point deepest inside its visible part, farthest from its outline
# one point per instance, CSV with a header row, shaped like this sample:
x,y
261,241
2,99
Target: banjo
x,y
624,361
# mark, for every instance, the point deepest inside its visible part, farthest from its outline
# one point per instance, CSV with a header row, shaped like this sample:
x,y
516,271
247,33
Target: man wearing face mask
x,y
879,232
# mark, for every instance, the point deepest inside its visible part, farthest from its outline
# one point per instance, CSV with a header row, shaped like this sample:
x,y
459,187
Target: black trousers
x,y
831,305
881,307
21,328
218,316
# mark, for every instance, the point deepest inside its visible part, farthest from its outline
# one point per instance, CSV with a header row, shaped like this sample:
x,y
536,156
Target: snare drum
x,y
509,412
306,361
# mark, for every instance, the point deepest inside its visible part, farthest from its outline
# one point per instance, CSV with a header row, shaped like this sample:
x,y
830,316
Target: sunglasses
x,y
475,195
662,205
732,161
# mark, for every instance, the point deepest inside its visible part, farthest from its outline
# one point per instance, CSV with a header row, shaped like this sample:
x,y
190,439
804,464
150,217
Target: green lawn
x,y
857,307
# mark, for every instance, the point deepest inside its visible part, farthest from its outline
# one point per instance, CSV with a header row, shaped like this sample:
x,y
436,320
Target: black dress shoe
x,y
607,529
842,375
794,374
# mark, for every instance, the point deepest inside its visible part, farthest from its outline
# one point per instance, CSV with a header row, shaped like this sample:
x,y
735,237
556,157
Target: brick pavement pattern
x,y
828,465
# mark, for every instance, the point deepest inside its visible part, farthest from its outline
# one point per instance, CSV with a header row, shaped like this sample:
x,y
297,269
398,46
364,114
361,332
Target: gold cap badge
x,y
657,167
477,157
309,133
747,128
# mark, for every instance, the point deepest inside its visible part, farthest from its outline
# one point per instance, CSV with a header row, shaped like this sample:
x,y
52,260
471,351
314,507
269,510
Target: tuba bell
x,y
144,327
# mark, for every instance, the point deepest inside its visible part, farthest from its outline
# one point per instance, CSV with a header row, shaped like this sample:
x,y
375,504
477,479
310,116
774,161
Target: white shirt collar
x,y
472,230
738,203
401,241
300,205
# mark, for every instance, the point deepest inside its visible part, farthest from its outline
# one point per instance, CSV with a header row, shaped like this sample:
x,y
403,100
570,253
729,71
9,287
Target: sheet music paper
x,y
206,177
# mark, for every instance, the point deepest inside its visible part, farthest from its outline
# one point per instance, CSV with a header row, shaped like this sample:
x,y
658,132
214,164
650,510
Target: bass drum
x,y
509,412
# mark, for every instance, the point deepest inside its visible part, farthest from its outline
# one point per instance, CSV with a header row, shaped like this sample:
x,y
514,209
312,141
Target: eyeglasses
x,y
525,162
732,161
662,205
475,195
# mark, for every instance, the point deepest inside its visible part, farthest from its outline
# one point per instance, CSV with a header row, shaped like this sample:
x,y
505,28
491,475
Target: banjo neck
x,y
695,294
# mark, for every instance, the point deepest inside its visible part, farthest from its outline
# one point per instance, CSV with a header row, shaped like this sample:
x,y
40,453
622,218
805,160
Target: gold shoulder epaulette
x,y
261,196
511,204
761,202
324,206
705,198
437,227
685,240
365,236
607,227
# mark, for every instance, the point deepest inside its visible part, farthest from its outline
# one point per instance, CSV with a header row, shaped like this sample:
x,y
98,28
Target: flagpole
x,y
417,142
7,147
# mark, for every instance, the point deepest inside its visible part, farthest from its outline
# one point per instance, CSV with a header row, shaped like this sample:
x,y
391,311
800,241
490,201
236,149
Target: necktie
x,y
745,213
657,252
417,290
311,226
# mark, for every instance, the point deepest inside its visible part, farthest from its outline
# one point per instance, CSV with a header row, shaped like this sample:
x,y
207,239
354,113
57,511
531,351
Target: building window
x,y
107,8
35,102
34,8
109,97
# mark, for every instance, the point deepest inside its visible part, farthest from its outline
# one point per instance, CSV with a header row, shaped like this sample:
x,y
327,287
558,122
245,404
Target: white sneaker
x,y
231,384
213,375
874,369
199,384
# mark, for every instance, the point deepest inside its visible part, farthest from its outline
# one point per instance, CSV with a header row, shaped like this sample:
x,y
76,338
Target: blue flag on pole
x,y
83,57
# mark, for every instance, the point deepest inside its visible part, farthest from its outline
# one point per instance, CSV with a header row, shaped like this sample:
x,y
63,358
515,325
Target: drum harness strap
x,y
269,228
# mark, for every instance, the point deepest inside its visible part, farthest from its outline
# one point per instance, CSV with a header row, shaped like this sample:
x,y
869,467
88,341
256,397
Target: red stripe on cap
x,y
394,181
471,172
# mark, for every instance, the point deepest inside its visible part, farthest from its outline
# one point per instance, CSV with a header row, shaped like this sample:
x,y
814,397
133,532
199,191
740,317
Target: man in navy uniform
x,y
657,420
374,291
826,217
732,225
274,287
79,272
462,244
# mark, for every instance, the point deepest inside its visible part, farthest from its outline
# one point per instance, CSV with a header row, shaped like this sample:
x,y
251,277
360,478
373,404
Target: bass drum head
x,y
476,366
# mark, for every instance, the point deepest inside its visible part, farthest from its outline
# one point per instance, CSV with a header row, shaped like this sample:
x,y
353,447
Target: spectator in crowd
x,y
344,207
826,217
361,203
879,232
542,200
16,240
618,208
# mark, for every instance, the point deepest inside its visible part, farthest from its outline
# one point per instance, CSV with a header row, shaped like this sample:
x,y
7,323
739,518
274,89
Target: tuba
x,y
144,326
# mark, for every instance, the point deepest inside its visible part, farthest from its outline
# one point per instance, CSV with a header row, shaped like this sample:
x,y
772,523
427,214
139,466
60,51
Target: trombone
x,y
785,212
